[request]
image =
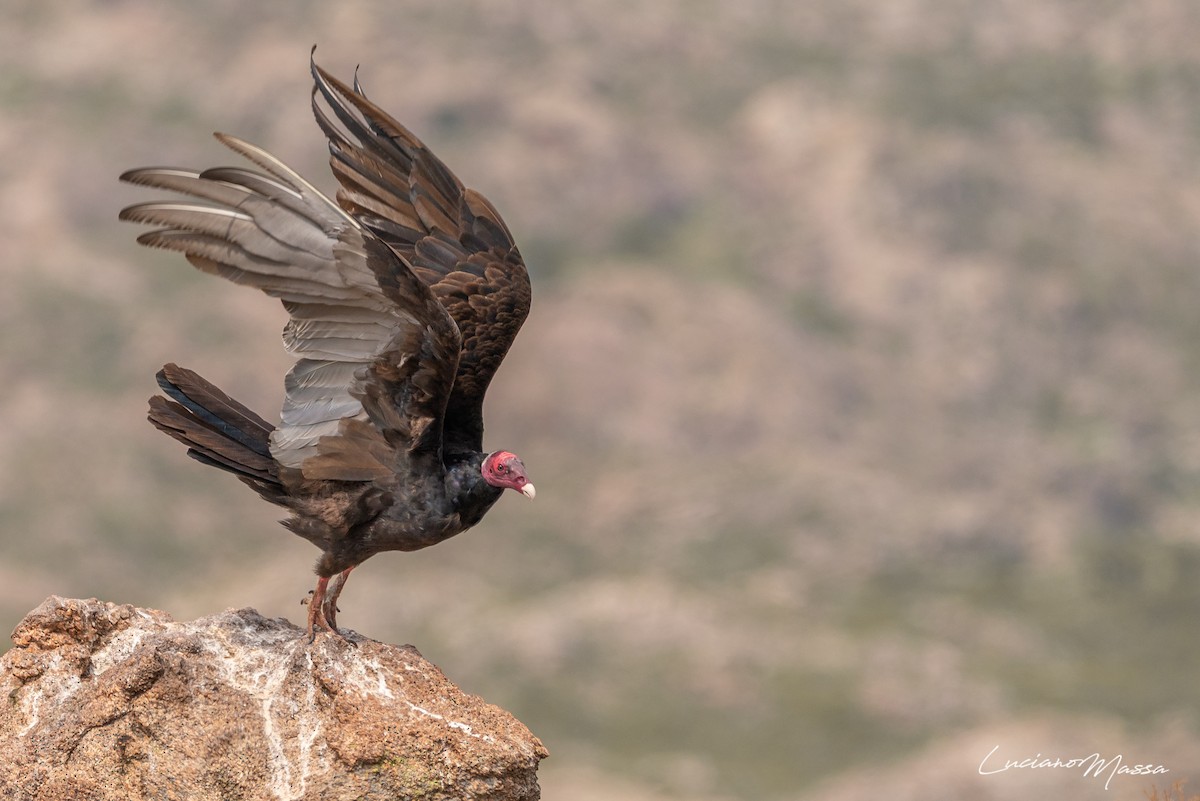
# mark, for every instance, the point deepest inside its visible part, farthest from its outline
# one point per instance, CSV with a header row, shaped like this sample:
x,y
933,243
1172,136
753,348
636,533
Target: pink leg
x,y
316,609
331,598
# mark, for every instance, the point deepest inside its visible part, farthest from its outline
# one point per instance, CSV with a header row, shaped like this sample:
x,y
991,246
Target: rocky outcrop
x,y
115,702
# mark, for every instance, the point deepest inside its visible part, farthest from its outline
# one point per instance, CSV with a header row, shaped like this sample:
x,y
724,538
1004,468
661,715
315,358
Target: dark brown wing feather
x,y
451,236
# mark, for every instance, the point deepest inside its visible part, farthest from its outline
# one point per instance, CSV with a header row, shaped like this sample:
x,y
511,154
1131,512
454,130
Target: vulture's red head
x,y
503,469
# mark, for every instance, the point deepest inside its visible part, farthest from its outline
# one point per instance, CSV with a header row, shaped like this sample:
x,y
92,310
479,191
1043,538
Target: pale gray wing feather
x,y
279,234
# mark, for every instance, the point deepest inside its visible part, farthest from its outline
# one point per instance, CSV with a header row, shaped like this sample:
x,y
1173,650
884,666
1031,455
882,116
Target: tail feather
x,y
216,429
215,408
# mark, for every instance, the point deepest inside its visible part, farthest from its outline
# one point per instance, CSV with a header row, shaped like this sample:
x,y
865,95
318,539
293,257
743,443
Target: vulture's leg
x,y
331,598
316,609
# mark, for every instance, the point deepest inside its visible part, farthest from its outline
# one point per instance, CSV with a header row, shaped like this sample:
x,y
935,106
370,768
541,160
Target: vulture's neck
x,y
466,488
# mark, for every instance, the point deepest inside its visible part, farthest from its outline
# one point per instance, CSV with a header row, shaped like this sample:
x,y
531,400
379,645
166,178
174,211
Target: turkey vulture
x,y
403,297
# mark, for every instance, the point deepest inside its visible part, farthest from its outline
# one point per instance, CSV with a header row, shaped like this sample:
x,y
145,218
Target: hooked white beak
x,y
528,491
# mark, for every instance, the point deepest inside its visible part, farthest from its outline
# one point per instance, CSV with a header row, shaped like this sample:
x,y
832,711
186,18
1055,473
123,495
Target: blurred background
x,y
861,388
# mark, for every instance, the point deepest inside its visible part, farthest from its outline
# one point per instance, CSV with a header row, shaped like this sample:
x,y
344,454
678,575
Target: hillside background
x,y
861,388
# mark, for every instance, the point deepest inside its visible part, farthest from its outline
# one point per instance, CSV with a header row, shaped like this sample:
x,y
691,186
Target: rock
x,y
115,702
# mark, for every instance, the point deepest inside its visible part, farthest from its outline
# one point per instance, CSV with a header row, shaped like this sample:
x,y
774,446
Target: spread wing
x,y
377,353
452,237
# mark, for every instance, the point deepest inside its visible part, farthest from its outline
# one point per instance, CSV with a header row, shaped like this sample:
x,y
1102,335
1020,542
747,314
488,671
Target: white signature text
x,y
1093,765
